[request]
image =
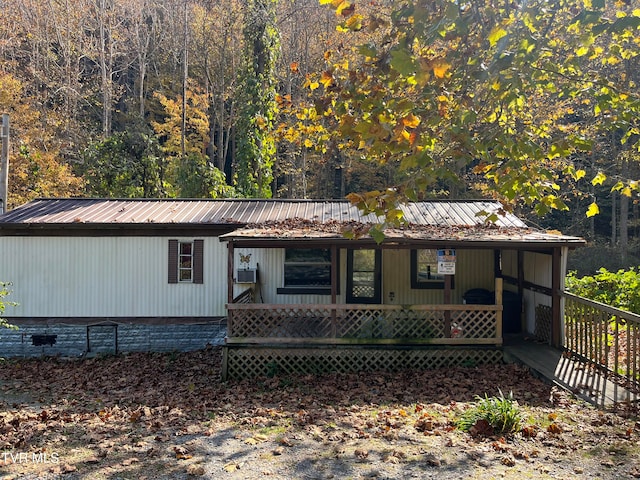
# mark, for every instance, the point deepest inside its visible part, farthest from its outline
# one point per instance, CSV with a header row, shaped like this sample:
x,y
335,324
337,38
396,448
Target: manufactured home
x,y
283,285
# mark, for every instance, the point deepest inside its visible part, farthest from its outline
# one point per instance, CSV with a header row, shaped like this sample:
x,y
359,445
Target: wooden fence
x,y
605,337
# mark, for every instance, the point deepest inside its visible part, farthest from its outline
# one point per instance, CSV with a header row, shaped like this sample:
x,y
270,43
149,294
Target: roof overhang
x,y
112,229
410,237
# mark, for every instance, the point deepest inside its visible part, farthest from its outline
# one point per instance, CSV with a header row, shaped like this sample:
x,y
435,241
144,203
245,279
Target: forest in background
x,y
533,103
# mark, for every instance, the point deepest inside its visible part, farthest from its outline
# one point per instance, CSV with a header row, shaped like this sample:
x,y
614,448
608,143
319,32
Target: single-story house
x,y
277,282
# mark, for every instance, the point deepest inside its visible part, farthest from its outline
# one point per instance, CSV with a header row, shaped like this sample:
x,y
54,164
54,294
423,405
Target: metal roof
x,y
434,220
224,212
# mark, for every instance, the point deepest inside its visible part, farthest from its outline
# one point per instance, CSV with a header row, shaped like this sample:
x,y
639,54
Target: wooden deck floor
x,y
551,364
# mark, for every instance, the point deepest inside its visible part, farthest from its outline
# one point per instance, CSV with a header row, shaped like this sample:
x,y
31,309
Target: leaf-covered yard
x,y
169,416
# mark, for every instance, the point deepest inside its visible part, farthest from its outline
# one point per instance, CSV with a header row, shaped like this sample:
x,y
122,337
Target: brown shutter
x,y
173,261
198,261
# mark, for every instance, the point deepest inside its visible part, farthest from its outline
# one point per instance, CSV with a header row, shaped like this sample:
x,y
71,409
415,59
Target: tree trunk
x,y
614,222
624,213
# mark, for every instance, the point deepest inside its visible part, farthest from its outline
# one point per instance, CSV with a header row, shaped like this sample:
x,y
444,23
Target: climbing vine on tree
x,y
257,108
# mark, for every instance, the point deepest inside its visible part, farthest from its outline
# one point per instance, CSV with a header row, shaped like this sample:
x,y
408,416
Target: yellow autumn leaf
x,y
354,23
593,210
326,79
441,68
582,51
344,8
599,179
411,121
496,34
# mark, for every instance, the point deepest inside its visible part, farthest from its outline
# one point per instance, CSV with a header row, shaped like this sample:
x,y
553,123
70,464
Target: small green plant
x,y
272,369
4,291
492,415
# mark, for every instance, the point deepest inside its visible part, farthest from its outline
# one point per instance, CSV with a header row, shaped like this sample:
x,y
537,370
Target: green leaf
x,y
367,50
377,234
402,62
625,23
593,210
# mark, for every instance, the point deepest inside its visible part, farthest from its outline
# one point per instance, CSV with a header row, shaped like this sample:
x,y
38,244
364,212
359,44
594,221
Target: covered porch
x,y
303,297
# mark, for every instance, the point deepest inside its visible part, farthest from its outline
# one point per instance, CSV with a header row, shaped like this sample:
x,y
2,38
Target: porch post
x,y
523,326
498,287
447,301
556,319
230,249
334,289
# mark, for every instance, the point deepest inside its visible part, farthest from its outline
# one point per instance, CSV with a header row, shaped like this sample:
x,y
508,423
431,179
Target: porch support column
x,y
523,327
447,301
230,250
334,289
498,287
334,274
556,319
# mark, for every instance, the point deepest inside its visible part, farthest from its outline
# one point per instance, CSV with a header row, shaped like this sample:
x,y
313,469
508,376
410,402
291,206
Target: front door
x,y
364,276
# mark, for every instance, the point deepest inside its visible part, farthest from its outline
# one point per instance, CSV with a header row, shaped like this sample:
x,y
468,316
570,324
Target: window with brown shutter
x,y
198,263
186,261
173,261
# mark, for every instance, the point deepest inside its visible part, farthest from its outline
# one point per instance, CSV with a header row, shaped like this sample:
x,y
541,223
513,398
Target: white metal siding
x,y
270,264
107,277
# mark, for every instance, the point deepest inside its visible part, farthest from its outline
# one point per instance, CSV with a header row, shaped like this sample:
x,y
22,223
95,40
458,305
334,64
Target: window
x,y
186,261
424,270
307,270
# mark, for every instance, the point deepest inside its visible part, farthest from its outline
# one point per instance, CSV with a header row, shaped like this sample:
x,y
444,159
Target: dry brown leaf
x,y
195,470
231,467
361,453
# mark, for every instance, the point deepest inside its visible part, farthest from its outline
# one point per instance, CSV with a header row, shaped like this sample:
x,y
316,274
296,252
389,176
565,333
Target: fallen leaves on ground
x,y
169,416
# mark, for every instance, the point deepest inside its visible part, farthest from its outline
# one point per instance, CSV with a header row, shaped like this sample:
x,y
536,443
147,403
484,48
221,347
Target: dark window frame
x,y
435,284
313,290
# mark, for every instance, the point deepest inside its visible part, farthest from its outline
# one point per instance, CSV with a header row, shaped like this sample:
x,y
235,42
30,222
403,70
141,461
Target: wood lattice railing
x,y
605,337
357,324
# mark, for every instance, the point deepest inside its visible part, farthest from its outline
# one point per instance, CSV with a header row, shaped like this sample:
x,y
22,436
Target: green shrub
x,y
491,415
620,289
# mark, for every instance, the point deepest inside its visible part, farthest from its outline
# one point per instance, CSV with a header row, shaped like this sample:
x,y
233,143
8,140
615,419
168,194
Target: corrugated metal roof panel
x,y
182,211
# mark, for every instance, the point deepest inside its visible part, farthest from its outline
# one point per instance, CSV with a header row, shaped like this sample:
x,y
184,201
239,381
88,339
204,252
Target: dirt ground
x,y
157,416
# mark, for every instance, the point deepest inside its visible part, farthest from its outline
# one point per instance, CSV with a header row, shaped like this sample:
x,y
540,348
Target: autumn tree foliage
x,y
483,91
534,103
35,166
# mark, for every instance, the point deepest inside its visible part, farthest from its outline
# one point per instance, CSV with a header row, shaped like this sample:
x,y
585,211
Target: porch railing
x,y
605,337
359,324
